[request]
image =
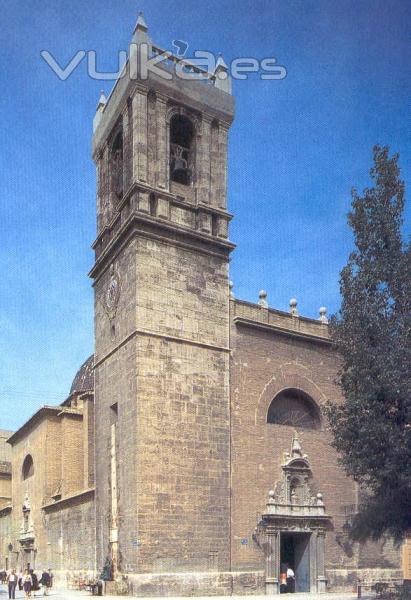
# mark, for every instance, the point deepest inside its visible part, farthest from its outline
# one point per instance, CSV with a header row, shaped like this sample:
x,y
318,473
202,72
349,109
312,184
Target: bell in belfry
x,y
181,149
180,171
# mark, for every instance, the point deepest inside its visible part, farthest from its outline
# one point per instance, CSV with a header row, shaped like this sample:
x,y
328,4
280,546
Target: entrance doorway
x,y
295,552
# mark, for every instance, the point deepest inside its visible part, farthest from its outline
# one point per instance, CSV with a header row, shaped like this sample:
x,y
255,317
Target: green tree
x,y
372,332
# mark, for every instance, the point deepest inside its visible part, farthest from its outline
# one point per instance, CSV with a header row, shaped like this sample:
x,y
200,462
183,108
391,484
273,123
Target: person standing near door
x,y
290,580
12,583
283,579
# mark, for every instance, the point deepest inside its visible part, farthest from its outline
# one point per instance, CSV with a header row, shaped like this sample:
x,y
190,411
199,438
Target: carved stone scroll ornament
x,y
112,293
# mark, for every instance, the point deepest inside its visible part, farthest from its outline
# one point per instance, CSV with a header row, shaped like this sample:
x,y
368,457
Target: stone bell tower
x,y
162,319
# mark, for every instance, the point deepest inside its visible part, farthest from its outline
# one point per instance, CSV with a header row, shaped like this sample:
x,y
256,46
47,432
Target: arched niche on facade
x,y
27,469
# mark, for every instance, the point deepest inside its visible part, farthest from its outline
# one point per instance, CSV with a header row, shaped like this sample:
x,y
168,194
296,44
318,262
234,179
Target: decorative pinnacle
x,y
222,76
141,23
293,307
231,285
102,100
221,69
221,64
263,299
323,315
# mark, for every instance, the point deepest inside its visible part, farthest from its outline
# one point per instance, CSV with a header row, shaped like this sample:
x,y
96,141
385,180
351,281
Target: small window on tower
x,y
153,205
181,150
116,165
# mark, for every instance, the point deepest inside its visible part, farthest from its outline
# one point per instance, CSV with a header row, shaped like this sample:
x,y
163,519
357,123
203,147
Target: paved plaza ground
x,y
61,594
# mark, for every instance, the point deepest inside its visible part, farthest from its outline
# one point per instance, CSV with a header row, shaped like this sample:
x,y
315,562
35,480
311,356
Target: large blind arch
x,y
294,408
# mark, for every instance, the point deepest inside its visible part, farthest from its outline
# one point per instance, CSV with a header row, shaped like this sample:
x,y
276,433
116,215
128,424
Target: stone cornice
x,y
296,522
174,200
169,338
71,413
77,498
275,329
143,225
5,468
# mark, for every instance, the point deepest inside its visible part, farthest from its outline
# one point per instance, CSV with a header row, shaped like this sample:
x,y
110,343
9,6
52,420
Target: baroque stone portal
x,y
293,527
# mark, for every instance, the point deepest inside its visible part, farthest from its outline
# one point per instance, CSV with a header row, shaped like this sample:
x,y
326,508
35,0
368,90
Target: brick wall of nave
x,y
382,554
262,365
43,444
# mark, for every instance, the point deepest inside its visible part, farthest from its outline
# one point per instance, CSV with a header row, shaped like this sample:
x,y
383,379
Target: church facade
x,y
192,455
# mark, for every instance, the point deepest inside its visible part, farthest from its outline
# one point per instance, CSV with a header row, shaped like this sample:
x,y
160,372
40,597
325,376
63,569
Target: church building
x,y
192,454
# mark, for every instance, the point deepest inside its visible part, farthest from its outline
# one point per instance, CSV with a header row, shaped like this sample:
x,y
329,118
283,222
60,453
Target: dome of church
x,y
84,379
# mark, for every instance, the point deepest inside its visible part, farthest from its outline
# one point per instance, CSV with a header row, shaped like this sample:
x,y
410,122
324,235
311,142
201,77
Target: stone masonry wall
x,y
183,409
5,469
183,469
5,486
7,558
115,383
166,368
71,536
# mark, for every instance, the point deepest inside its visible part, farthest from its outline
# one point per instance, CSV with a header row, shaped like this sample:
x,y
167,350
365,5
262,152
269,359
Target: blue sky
x,y
296,148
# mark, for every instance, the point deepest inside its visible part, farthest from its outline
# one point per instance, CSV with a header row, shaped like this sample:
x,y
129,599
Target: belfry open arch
x,y
293,527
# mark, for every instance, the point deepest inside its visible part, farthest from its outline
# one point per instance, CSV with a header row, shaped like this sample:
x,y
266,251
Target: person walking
x,y
34,582
12,583
45,581
27,584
